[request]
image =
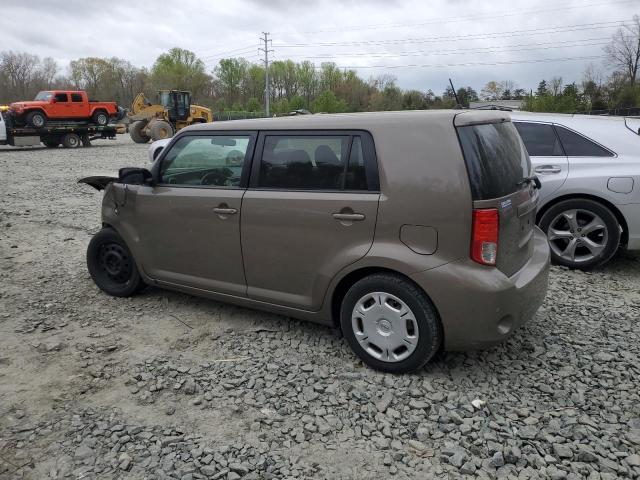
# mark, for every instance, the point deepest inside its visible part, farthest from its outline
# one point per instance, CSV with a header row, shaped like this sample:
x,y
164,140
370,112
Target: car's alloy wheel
x,y
577,235
385,326
582,233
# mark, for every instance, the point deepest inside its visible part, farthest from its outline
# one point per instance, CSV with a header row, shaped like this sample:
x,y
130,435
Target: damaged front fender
x,y
128,175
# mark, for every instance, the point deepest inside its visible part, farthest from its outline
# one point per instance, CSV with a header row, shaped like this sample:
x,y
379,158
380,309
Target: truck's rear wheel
x,y
36,119
137,132
159,130
71,140
100,118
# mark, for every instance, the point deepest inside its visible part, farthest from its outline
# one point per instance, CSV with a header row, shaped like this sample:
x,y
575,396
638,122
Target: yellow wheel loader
x,y
172,113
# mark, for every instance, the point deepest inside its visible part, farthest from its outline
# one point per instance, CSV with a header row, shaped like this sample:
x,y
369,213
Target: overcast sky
x,y
472,41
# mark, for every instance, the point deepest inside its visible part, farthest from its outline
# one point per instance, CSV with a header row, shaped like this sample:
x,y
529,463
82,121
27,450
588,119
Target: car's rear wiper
x,y
533,179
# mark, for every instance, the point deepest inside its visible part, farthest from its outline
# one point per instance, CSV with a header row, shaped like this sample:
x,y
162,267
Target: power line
x,y
488,49
214,63
226,52
237,54
464,19
476,36
472,64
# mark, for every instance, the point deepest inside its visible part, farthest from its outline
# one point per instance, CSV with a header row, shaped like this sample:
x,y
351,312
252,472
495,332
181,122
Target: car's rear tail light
x,y
484,237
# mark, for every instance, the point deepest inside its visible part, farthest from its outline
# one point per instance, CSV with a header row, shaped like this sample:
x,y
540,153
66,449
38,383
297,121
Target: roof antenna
x,y
458,104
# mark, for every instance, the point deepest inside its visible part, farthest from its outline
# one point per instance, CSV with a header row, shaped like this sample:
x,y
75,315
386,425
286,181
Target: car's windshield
x,y
44,96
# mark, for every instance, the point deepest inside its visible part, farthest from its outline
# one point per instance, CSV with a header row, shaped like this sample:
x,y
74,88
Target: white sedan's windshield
x,y
44,96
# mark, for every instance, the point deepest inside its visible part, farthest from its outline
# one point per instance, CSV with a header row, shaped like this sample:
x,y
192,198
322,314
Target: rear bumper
x,y
480,306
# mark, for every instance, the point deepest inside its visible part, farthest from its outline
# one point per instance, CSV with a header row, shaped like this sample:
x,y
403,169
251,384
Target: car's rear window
x,y
496,159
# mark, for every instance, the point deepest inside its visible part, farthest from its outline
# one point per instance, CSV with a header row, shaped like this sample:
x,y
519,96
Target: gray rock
x,y
528,432
633,460
497,460
423,433
83,452
189,387
562,450
383,403
208,470
457,459
468,468
586,455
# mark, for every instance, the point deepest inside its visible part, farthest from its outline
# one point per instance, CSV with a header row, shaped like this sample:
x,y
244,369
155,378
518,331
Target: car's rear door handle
x,y
225,211
349,217
547,169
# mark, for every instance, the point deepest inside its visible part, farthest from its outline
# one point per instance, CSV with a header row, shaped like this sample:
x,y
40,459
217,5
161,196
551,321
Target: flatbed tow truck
x,y
53,134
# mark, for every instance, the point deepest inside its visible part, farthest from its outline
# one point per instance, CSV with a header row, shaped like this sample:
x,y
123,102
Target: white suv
x,y
589,167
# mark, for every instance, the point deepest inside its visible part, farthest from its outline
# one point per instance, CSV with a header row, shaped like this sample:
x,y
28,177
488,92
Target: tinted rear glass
x,y
577,146
540,139
496,159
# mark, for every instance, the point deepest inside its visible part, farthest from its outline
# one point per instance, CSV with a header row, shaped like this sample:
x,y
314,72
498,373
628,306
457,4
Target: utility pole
x,y
266,50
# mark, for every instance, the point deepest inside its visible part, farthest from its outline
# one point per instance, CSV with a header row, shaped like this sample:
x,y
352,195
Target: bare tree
x,y
555,85
624,50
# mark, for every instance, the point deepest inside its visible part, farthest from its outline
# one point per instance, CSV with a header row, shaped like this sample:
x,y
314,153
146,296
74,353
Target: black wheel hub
x,y
115,262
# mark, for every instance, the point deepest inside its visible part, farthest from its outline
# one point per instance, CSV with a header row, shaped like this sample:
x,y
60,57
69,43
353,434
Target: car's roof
x,y
610,131
356,121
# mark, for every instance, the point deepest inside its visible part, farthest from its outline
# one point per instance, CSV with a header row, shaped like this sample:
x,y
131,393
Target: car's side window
x,y
76,97
297,162
61,97
206,160
540,139
578,146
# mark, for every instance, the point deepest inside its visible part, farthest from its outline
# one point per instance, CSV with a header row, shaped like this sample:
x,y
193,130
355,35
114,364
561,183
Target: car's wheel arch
x,y
350,278
585,196
35,110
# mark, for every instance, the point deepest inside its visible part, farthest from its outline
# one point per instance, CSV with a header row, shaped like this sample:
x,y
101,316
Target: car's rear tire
x,y
71,140
100,118
390,323
36,119
582,233
136,132
112,266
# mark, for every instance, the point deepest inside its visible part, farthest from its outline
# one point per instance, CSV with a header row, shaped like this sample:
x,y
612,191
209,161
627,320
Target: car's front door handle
x,y
349,217
547,169
225,211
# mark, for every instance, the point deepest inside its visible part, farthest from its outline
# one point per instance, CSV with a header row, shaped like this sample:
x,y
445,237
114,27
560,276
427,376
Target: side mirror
x,y
135,176
54,100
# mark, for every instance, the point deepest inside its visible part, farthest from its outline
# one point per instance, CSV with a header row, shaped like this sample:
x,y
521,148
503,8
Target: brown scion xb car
x,y
411,231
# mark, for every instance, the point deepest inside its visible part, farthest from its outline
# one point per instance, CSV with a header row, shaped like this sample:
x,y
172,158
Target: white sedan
x,y
156,148
589,167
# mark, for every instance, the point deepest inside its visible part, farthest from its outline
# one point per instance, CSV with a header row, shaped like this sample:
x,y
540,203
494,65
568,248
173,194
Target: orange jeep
x,y
62,105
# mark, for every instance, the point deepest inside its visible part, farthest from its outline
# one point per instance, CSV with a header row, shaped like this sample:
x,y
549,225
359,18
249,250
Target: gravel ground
x,y
164,385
